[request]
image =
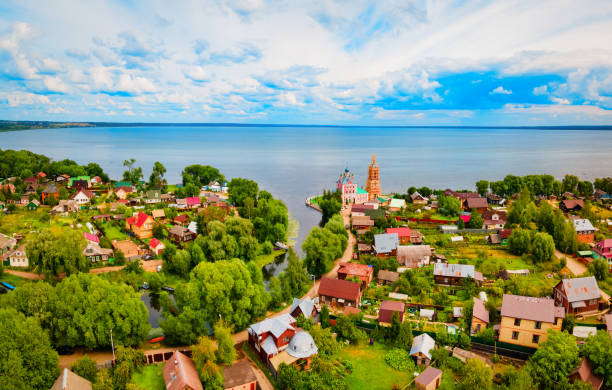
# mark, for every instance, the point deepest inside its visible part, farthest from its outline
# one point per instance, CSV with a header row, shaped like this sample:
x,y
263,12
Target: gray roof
x,y
580,289
302,345
386,242
422,343
269,346
413,253
276,325
583,225
305,305
455,270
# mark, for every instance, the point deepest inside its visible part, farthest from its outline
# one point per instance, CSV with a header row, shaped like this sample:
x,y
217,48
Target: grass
x,y
150,377
14,280
112,232
263,260
369,368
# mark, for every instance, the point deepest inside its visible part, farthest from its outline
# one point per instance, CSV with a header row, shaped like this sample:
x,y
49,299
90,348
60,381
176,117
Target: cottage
x,y
584,230
158,214
422,345
480,316
385,245
182,220
7,188
123,192
130,250
180,373
387,308
95,181
337,292
494,239
417,198
403,233
396,204
80,181
18,257
153,196
360,208
365,273
239,376
429,379
94,252
364,248
584,372
193,202
68,380
525,320
494,199
362,222
141,225
33,205
413,256
577,296
603,250
63,178
156,246
168,198
453,274
571,205
50,192
65,207
7,243
82,196
493,219
181,234
601,196
308,307
387,277
479,205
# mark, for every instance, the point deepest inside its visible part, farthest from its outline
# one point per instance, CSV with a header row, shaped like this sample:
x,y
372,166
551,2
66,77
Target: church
x,y
352,193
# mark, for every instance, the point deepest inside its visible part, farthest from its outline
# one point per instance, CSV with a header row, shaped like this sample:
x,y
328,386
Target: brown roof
x,y
585,372
180,373
355,269
337,288
68,380
364,247
390,276
348,310
387,308
530,308
570,204
429,375
505,233
129,248
362,221
361,207
240,373
480,311
478,203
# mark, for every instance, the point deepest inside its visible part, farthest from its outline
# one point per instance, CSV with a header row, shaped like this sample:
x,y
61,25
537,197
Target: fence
x,y
425,220
160,357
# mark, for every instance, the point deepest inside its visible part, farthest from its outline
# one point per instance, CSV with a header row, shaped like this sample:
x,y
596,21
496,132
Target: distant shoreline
x,y
36,125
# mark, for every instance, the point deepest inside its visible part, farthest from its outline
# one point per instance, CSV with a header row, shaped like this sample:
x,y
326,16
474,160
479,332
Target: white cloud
x,y
197,74
16,99
134,84
559,100
102,77
541,90
500,91
55,84
289,99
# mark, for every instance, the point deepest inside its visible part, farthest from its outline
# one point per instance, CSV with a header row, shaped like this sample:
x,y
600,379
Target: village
x,y
426,289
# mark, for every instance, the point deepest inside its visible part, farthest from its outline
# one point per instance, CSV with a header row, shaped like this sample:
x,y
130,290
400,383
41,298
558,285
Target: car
x,y
148,257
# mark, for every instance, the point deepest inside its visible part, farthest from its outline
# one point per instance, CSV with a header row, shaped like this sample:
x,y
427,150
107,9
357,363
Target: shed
x,y
421,348
240,375
387,308
429,379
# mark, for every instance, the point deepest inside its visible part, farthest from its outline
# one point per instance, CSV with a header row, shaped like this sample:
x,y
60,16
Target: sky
x,y
518,63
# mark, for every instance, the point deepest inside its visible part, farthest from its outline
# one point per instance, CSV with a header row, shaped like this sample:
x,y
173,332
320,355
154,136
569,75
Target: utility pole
x,y
314,279
112,345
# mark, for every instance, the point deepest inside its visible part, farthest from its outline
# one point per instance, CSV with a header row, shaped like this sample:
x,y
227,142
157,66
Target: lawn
x,y
13,280
263,260
150,377
112,232
369,368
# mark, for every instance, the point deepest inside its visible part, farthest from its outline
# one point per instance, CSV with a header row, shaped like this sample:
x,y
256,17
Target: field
x,y
150,378
370,372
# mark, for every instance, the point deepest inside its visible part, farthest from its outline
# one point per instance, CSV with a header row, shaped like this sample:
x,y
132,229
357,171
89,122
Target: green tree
x,y
57,249
201,175
476,375
347,330
542,247
519,241
570,183
158,231
585,188
132,174
599,269
598,349
449,205
156,180
104,380
86,367
329,207
404,338
295,280
554,360
322,247
27,360
240,189
324,340
545,217
204,350
226,354
128,361
179,264
94,169
476,221
325,322
482,187
271,219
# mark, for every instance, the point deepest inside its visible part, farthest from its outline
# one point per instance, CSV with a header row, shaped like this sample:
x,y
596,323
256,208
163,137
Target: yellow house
x,y
141,224
525,320
480,316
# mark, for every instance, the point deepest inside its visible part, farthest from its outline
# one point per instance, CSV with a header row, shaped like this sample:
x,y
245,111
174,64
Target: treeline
x,y
543,185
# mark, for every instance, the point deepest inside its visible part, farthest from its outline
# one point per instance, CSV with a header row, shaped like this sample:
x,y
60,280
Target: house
x,y
362,222
18,257
603,250
91,237
96,180
418,198
429,379
387,308
525,320
427,313
31,180
141,225
338,292
181,220
480,316
63,178
422,345
364,248
65,207
130,250
122,192
403,233
385,245
158,214
413,256
504,235
494,238
156,246
82,196
577,296
365,273
601,196
7,243
33,205
180,373
360,208
68,380
571,205
476,204
453,274
168,198
153,196
181,234
7,188
462,195
94,252
193,202
277,341
584,230
584,372
50,192
396,204
494,199
494,219
308,307
80,181
239,376
387,277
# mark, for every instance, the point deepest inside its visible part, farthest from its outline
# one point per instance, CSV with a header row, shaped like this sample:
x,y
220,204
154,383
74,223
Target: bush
x,y
399,359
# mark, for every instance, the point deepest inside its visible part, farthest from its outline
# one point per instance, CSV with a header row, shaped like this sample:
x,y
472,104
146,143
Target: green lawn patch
x,y
263,260
150,377
112,232
370,372
14,280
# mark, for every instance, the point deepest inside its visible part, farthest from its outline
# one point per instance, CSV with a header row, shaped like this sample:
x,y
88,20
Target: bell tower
x,y
373,183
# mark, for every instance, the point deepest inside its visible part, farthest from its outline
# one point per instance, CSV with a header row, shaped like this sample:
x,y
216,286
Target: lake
x,y
295,162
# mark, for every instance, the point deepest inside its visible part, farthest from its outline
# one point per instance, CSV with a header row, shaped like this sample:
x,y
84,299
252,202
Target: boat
x,y
9,286
281,245
157,339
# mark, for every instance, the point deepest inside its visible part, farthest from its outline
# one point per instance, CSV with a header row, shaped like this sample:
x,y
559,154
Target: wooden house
x,y
577,296
339,293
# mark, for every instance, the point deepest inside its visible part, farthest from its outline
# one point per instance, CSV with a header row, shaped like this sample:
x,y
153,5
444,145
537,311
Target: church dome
x,y
302,345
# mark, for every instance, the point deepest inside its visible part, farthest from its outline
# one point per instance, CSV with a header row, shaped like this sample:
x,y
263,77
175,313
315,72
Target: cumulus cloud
x,y
55,84
134,84
500,91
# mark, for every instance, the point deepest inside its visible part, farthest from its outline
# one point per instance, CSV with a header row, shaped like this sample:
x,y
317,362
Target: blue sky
x,y
304,62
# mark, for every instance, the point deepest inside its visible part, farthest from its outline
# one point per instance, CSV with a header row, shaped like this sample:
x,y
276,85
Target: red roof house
x,y
180,373
364,272
182,219
91,237
193,201
603,249
156,246
338,292
387,308
141,224
403,234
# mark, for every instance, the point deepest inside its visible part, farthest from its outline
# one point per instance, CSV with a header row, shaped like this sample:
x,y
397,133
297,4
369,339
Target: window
x,y
517,322
538,325
477,328
535,339
286,340
515,335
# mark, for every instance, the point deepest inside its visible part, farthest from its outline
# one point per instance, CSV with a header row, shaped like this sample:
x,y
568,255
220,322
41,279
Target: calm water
x,y
295,162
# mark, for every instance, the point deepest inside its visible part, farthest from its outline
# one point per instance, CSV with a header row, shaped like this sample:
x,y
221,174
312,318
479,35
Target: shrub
x,y
399,359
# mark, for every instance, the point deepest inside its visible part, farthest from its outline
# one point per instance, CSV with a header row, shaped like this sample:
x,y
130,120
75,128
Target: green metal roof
x,y
361,190
585,253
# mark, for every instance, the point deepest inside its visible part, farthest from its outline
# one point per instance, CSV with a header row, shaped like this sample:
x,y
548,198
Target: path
x,y
575,267
148,266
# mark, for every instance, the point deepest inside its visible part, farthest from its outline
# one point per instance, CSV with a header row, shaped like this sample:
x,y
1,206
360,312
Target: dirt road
x,y
148,266
576,267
